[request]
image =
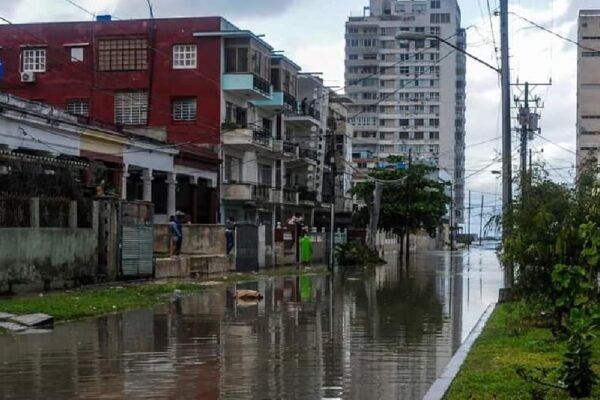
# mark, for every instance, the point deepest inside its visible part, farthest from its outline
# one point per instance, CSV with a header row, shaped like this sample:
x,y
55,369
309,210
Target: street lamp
x,y
413,36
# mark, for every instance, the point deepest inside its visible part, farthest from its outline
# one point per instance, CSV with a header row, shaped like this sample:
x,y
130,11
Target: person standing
x,y
176,235
230,233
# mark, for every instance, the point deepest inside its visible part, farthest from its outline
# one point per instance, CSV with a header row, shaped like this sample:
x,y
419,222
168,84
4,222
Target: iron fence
x,y
14,210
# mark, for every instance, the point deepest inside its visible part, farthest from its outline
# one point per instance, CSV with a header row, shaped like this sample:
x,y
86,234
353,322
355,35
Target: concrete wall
x,y
197,239
30,255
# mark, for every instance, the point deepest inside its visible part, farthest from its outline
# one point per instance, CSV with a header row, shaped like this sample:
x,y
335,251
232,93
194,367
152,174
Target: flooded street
x,y
383,334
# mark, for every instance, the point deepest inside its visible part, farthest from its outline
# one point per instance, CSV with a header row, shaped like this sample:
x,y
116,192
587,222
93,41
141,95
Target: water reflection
x,y
383,334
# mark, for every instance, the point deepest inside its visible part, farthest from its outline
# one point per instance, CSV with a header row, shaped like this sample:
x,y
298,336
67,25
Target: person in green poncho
x,y
305,249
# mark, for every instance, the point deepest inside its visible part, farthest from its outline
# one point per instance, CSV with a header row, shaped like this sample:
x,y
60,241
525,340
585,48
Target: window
x,y
434,122
403,135
420,29
590,54
352,56
434,109
419,135
434,56
420,44
184,109
435,4
122,54
435,30
236,115
434,148
233,169
34,60
353,43
184,56
434,96
440,18
404,70
78,107
370,43
131,108
265,175
370,57
76,54
419,122
434,135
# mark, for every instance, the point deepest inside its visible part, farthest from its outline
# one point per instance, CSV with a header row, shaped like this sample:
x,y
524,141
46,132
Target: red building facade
x,y
149,76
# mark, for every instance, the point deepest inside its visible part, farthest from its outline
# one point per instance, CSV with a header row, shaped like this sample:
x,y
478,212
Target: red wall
x,y
65,80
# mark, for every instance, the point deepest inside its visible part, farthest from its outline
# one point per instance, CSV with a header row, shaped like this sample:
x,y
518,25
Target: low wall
x,y
30,255
197,239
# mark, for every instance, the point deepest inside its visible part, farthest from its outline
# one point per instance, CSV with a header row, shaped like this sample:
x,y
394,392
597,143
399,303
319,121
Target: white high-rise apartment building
x,y
588,86
409,96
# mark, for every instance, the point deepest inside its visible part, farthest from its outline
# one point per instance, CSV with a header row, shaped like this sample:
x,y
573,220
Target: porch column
x,y
147,179
124,177
171,193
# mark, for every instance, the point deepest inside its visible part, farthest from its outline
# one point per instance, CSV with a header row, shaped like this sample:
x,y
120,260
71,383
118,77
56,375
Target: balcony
x,y
262,193
303,117
302,158
310,154
308,197
279,101
290,149
247,192
248,139
247,85
291,196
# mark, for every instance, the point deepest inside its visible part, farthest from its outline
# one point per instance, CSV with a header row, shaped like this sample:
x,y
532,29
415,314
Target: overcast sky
x,y
312,33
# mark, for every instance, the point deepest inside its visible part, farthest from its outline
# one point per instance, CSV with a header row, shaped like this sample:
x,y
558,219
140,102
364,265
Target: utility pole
x,y
451,217
469,223
374,221
333,158
530,166
481,223
506,136
524,117
528,119
408,219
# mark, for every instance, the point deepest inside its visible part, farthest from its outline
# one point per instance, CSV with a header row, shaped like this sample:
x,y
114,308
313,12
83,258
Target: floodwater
x,y
383,334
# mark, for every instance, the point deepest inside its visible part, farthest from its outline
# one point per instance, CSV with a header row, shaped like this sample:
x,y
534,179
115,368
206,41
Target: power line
x,y
558,35
557,145
493,33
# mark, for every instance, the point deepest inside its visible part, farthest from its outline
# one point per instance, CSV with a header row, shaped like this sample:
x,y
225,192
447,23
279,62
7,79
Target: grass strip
x,y
86,302
82,303
507,343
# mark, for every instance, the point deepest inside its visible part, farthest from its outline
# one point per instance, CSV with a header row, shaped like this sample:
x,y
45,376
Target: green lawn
x,y
506,344
89,302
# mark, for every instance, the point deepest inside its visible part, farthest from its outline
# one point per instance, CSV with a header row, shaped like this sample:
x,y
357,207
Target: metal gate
x,y
246,247
136,239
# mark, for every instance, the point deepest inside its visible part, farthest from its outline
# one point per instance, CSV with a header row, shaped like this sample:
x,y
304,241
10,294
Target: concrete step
x,y
210,264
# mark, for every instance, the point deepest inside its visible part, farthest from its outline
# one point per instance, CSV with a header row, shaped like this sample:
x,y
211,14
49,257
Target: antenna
x,y
150,8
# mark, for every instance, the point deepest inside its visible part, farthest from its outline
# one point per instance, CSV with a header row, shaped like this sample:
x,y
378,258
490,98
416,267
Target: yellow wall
x,y
103,143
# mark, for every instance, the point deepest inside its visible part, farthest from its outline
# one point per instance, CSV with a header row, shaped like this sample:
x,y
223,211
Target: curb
x,y
441,385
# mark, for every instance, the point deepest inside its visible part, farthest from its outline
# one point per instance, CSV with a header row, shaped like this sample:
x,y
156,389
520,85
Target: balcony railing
x,y
290,147
308,153
261,192
290,196
261,137
304,111
262,85
309,196
289,101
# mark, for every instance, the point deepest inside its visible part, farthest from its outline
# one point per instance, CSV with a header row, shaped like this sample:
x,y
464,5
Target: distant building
x,y
588,86
408,96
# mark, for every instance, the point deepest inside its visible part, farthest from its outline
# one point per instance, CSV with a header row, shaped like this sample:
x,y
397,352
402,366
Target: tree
x,y
421,209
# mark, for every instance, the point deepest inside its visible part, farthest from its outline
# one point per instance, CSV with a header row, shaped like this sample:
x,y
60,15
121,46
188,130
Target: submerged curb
x,y
442,384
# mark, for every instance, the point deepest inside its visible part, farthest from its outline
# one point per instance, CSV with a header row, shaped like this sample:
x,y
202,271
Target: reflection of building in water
x,y
274,349
386,333
398,329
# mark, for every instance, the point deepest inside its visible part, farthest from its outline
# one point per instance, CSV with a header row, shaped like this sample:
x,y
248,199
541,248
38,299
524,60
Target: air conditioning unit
x,y
27,77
